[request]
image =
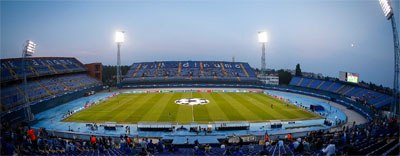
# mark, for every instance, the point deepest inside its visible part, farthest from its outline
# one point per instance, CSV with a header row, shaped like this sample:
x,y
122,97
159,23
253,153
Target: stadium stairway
x,y
179,69
34,71
45,88
300,81
137,69
52,69
392,151
330,86
389,144
201,69
349,90
66,67
320,84
158,68
308,86
13,73
340,89
223,70
245,71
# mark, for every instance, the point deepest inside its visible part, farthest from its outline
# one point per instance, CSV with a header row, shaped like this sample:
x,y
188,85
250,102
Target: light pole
x,y
119,39
388,11
262,38
28,50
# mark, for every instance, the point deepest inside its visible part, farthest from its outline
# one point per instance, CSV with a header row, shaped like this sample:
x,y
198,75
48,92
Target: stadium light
x,y
388,12
29,50
387,9
119,39
263,38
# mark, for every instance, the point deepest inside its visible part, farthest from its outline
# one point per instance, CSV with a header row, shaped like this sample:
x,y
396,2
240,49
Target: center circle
x,y
192,101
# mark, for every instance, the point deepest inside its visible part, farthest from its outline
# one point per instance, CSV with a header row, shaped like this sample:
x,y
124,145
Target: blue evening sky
x,y
315,33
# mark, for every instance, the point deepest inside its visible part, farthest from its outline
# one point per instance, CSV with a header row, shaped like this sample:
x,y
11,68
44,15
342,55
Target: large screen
x,y
352,77
349,77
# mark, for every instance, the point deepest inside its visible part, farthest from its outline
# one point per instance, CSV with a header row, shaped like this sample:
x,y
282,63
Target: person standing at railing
x,y
32,136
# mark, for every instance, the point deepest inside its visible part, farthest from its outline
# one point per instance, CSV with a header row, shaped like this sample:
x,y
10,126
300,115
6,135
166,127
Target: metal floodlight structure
x,y
388,12
29,50
263,39
386,8
119,39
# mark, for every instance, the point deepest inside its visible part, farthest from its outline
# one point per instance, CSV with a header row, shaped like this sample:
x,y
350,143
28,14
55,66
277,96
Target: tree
x,y
298,70
110,72
284,77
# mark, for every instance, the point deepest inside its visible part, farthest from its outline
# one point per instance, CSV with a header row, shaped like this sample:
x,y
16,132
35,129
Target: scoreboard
x,y
349,77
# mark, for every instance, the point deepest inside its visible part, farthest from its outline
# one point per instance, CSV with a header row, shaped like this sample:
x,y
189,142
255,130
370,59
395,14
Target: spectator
x,y
280,143
93,141
143,143
143,152
222,146
306,146
330,149
289,137
300,147
150,147
196,142
160,146
32,137
207,148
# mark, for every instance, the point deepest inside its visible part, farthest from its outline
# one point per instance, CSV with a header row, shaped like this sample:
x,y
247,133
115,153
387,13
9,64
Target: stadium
x,y
57,105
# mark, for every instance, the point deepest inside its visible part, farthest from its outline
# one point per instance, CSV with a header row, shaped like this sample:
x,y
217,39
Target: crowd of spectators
x,y
374,137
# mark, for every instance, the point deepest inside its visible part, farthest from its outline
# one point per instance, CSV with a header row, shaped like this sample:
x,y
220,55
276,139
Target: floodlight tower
x,y
29,49
388,11
262,38
119,39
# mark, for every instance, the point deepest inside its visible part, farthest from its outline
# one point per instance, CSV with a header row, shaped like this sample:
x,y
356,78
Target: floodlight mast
x,y
388,12
119,39
28,50
262,38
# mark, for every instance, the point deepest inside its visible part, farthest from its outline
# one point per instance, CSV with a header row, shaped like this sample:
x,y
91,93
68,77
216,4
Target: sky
x,y
322,36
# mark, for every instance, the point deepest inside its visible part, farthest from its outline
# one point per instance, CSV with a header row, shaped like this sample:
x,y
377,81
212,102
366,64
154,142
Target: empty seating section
x,y
325,85
294,81
190,70
5,73
47,77
353,91
34,90
335,87
315,83
305,82
11,69
76,81
345,89
12,96
361,92
372,97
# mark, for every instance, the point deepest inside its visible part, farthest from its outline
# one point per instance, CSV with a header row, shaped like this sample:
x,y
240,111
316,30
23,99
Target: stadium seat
x,y
374,98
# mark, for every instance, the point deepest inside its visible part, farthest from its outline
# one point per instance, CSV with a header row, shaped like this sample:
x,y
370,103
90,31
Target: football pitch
x,y
161,107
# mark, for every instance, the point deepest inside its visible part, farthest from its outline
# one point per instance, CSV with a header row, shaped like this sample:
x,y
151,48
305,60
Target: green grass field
x,y
161,107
